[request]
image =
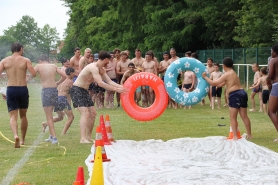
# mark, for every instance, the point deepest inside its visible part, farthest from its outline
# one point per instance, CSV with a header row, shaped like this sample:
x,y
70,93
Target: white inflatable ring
x,y
170,81
160,102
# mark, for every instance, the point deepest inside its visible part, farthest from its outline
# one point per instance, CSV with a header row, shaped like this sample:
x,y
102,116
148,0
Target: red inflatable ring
x,y
160,102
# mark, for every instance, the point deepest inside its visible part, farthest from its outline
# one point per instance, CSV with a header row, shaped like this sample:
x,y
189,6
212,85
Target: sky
x,y
44,12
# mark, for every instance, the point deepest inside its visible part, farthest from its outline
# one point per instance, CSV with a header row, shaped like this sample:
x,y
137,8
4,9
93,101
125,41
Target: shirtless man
x,y
153,58
65,64
17,91
148,66
216,91
179,80
210,70
74,62
131,71
163,65
49,92
117,54
273,79
127,52
111,72
64,101
122,66
138,60
80,95
238,98
85,59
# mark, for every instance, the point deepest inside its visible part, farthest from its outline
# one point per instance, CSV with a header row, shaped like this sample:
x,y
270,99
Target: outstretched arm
x,y
217,82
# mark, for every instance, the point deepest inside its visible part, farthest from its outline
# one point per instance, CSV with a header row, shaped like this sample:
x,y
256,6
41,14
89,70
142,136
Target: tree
x,y
47,39
5,46
25,31
35,40
255,23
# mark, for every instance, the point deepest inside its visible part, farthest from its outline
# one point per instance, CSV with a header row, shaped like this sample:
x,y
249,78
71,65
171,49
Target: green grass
x,y
58,164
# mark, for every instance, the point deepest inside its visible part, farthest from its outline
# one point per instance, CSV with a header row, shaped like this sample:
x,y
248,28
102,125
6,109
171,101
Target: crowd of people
x,y
91,81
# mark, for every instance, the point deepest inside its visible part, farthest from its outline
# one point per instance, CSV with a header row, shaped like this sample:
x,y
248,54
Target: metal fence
x,y
243,59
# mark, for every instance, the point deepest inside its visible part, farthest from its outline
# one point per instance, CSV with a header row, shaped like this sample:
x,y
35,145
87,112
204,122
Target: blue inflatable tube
x,y
170,81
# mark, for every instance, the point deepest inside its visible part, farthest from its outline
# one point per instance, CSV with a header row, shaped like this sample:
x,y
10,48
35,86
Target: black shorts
x,y
49,97
62,104
216,92
94,87
17,97
265,96
238,99
119,78
80,97
187,86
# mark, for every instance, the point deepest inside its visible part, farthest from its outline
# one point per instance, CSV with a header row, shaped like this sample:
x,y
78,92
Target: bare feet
x,y
275,140
21,142
84,141
252,110
225,105
90,140
260,111
44,125
17,143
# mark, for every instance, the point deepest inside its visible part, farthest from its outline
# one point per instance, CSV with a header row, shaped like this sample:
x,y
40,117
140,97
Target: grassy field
x,y
51,165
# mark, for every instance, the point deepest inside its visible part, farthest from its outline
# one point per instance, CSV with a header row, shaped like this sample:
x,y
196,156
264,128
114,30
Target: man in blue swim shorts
x,y
237,96
17,94
49,92
64,100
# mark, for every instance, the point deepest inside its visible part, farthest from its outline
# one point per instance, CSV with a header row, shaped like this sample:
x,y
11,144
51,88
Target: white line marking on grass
x,y
13,172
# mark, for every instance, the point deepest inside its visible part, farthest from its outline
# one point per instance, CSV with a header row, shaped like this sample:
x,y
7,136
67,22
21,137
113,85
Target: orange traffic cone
x,y
76,183
79,176
97,177
108,129
231,134
103,131
99,142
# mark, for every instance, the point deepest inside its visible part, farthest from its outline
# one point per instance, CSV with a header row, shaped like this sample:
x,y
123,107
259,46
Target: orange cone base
x,y
231,136
107,143
103,160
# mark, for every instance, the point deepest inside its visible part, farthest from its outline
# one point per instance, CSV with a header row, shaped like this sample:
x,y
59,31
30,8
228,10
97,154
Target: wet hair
x,y
137,50
210,59
216,64
69,70
131,64
264,70
16,47
116,50
189,53
64,60
194,55
43,58
103,55
111,52
275,49
228,62
77,48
